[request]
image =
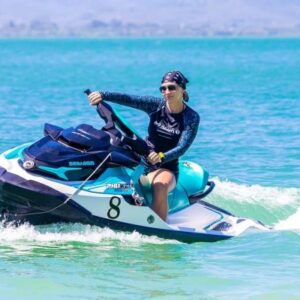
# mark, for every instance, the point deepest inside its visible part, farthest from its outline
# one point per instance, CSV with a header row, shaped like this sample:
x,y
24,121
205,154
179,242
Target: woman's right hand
x,y
95,98
154,158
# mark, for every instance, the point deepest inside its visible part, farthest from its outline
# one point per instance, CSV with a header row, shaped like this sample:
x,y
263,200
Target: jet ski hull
x,y
24,200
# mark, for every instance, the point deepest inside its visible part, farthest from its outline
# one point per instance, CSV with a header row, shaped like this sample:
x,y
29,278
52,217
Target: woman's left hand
x,y
95,98
154,158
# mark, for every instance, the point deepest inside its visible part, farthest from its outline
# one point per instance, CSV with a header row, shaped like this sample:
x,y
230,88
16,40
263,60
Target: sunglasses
x,y
170,87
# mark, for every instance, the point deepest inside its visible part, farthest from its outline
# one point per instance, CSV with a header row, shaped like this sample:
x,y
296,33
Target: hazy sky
x,y
280,13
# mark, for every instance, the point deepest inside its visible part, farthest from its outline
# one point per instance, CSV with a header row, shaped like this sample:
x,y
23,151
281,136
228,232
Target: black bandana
x,y
175,76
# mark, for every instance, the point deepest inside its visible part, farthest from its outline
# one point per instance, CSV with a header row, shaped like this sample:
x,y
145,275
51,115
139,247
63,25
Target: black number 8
x,y
114,210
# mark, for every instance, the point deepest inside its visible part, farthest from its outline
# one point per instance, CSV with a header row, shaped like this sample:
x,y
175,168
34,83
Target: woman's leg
x,y
163,181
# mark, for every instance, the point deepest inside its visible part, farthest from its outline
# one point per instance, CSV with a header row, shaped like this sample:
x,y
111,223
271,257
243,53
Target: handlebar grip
x,y
87,92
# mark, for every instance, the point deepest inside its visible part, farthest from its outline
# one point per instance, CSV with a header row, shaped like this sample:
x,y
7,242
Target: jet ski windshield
x,y
85,138
72,153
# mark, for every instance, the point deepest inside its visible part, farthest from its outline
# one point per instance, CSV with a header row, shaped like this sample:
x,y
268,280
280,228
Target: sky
x,y
77,17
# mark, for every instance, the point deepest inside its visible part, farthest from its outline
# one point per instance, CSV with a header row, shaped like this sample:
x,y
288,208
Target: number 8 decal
x,y
114,211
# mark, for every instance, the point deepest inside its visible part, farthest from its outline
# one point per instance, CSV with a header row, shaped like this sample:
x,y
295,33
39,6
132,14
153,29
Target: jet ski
x,y
92,176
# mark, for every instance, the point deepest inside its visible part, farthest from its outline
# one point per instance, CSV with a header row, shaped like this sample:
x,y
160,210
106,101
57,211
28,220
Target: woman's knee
x,y
166,181
160,185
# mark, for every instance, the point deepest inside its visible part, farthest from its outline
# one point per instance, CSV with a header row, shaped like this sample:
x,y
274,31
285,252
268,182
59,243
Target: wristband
x,y
161,155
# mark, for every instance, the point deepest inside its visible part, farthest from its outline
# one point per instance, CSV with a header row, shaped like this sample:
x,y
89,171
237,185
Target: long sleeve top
x,y
169,133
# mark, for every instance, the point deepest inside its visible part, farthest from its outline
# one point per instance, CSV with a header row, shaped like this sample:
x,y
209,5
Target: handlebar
x,y
111,119
87,92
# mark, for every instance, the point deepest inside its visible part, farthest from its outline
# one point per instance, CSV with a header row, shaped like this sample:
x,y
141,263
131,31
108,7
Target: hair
x,y
185,96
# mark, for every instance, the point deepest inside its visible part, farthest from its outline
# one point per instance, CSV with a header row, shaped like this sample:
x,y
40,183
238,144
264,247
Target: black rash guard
x,y
169,133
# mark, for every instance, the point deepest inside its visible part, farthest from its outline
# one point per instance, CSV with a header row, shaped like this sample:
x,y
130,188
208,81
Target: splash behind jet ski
x,y
92,176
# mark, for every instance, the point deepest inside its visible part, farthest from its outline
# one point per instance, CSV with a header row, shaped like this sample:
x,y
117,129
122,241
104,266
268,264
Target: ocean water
x,y
247,93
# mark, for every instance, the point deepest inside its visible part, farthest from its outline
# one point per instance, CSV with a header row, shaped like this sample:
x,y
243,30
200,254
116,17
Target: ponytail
x,y
185,96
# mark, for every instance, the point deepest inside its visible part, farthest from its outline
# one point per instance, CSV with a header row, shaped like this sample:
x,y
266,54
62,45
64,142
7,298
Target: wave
x,y
271,205
65,233
292,222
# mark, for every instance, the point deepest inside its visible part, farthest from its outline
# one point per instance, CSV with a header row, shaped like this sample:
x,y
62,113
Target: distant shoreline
x,y
229,37
117,29
149,19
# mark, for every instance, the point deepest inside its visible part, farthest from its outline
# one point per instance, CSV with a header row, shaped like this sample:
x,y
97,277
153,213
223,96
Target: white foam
x,y
71,233
291,223
269,196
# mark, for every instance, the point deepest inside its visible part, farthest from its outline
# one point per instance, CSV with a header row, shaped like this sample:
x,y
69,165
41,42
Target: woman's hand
x,y
95,98
154,158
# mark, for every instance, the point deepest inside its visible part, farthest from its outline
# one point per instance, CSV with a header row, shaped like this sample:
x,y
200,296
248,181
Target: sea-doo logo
x,y
81,163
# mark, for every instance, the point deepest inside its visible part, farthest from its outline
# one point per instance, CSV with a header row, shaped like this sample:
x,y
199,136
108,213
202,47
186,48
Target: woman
x,y
173,127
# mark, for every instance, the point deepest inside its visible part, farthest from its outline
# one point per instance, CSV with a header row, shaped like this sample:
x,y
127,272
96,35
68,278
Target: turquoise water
x,y
248,95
